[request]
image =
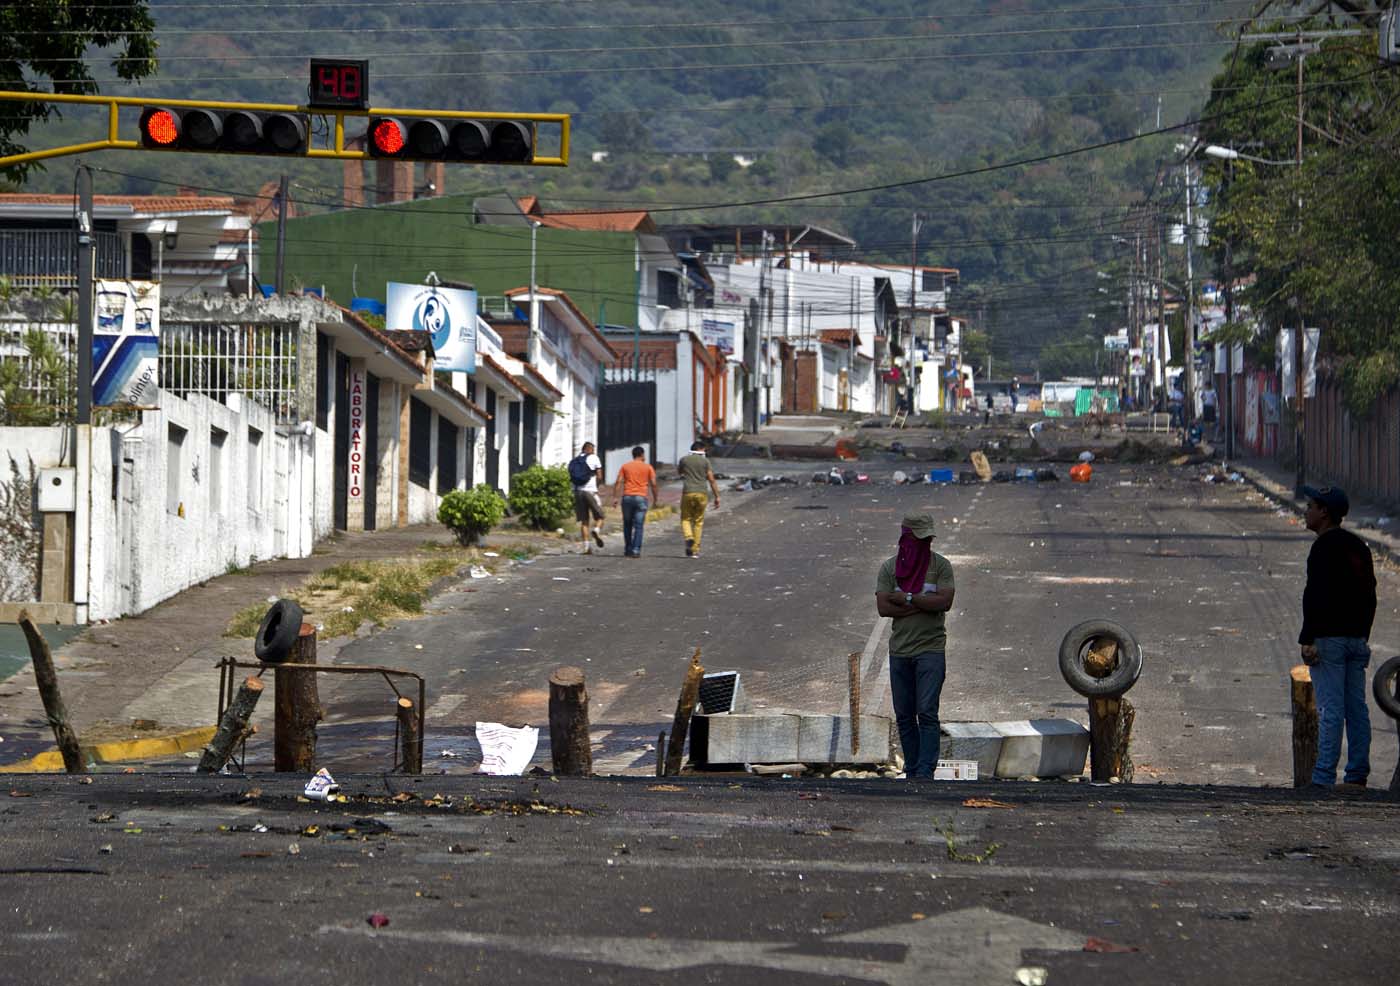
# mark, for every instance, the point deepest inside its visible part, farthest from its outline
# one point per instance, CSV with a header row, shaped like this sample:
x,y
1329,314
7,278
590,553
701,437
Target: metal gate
x,y
627,415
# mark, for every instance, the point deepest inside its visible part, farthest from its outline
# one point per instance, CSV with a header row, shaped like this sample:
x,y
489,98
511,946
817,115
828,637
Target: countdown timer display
x,y
339,85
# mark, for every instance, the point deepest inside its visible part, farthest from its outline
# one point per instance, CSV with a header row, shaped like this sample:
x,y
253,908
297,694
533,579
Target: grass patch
x,y
343,596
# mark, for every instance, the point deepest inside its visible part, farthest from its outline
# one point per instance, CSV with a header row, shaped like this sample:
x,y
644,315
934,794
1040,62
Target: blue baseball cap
x,y
1334,498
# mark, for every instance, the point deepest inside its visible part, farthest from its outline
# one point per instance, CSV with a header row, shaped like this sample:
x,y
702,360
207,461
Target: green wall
x,y
403,242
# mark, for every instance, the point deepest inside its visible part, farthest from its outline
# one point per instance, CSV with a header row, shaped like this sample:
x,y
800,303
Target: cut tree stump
x,y
661,754
1102,657
1110,732
410,743
297,709
1304,725
685,707
233,728
54,708
569,745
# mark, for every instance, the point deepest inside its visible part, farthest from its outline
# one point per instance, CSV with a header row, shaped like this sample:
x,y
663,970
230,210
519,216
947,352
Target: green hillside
x,y
820,96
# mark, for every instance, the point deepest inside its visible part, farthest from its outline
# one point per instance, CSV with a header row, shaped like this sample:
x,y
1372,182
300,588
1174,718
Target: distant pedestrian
x,y
915,587
987,414
1210,401
695,474
1339,606
585,470
1176,401
634,480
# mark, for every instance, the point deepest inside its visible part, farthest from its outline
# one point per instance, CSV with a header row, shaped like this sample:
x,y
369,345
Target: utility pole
x,y
908,379
86,246
1300,472
1188,408
281,231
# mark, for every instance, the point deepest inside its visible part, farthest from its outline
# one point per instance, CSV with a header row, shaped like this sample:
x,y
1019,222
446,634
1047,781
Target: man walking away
x,y
1339,605
1210,401
915,587
695,473
634,480
585,470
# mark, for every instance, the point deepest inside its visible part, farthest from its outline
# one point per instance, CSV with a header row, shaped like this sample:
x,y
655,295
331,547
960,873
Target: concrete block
x,y
1041,748
980,741
827,739
786,738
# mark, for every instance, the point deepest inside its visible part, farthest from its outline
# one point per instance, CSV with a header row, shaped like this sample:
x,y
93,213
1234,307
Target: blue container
x,y
268,290
940,475
371,305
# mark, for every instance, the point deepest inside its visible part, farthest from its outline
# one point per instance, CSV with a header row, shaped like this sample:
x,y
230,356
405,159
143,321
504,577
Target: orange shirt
x,y
635,476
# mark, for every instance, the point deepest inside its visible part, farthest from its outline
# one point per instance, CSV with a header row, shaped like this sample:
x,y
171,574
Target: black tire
x,y
1120,679
278,631
1382,689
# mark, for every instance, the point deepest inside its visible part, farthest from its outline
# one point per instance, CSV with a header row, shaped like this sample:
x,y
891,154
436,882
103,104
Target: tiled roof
x,y
539,379
605,222
840,337
562,296
140,204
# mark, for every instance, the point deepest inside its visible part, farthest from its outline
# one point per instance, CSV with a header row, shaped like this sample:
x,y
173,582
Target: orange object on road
x,y
1081,472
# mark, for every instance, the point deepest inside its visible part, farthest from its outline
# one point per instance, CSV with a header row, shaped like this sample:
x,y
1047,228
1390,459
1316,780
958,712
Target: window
x,y
420,438
932,280
217,439
447,455
323,380
174,469
255,474
668,288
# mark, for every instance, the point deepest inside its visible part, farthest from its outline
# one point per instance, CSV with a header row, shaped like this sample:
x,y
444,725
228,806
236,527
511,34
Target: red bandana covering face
x,y
911,565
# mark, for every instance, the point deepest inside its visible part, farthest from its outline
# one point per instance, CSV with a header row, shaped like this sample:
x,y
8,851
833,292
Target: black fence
x,y
627,415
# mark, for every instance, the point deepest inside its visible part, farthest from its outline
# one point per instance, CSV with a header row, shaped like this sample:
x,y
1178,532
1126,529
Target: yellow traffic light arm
x,y
339,150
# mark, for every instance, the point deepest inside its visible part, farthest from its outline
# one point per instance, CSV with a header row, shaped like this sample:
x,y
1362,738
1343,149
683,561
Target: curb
x,y
117,751
1278,495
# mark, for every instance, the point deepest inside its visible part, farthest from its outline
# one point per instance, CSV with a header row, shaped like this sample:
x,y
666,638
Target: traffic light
x,y
450,139
223,131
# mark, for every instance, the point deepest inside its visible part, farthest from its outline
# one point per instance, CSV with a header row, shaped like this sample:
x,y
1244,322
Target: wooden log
x,y
410,743
1304,725
685,707
1395,779
853,686
569,745
1110,732
1102,657
54,709
661,754
233,727
297,709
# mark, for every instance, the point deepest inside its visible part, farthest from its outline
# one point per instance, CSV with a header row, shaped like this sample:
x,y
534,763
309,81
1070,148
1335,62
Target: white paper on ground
x,y
955,770
506,751
321,786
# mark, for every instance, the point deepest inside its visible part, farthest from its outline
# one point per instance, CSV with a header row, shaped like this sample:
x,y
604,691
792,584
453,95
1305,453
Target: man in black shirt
x,y
1339,605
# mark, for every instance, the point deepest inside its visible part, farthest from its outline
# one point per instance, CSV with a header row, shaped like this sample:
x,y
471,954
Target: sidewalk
x,y
1373,523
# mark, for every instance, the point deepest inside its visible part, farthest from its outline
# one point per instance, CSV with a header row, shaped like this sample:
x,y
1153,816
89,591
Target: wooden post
x,y
1304,725
54,708
568,723
1395,777
661,755
1110,731
853,686
685,705
233,728
297,709
410,743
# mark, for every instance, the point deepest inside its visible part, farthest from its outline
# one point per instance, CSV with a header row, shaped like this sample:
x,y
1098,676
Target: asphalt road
x,y
1208,577
223,880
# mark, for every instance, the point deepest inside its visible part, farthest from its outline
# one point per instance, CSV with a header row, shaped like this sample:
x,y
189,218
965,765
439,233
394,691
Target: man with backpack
x,y
585,469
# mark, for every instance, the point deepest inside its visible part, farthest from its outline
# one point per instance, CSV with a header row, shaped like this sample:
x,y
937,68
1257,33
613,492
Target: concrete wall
x,y
23,452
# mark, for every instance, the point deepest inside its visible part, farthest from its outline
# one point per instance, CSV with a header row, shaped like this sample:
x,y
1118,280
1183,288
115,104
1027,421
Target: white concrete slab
x,y
1041,748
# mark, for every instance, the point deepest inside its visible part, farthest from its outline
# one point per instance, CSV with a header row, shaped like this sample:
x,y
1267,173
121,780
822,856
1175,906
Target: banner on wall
x,y
126,344
718,334
447,314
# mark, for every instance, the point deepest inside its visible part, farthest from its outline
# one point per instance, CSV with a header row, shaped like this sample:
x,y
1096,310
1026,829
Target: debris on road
x,y
321,786
377,920
506,751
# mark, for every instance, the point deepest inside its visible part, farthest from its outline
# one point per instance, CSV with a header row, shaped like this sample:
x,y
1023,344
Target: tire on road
x,y
1384,691
278,631
1117,681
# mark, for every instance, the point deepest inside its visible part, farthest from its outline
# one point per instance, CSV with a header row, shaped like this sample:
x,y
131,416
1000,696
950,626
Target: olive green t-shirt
x,y
921,632
695,471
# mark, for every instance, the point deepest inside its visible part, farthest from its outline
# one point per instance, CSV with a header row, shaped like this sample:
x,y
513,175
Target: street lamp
x,y
1230,154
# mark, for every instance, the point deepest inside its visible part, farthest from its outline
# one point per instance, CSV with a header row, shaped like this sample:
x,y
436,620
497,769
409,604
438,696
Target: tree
x,y
834,142
49,39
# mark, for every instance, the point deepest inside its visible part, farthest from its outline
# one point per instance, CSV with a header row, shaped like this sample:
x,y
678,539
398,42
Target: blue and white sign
x,y
126,344
447,314
718,334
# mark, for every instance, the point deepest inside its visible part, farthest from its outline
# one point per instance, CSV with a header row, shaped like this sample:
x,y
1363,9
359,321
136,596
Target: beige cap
x,y
921,525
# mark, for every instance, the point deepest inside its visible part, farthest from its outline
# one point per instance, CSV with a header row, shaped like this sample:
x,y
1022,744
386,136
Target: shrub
x,y
471,513
542,497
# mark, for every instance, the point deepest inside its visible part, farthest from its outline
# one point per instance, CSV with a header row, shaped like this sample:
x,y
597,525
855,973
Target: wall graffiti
x,y
21,535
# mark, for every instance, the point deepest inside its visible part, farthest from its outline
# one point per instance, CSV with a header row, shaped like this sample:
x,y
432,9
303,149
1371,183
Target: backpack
x,y
580,472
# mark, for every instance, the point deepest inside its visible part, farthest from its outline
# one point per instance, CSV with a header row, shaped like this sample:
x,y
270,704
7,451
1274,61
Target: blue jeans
x,y
916,682
1339,684
634,518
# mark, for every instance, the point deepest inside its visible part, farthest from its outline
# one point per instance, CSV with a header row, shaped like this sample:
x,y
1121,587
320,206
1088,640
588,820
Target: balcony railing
x,y
36,258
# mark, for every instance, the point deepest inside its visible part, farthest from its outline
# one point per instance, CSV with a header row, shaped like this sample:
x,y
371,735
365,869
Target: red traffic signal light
x,y
471,141
223,131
